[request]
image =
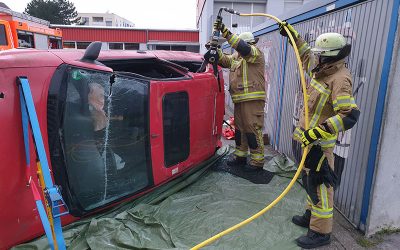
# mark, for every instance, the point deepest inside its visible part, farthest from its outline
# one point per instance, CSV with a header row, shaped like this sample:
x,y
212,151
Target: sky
x,y
163,14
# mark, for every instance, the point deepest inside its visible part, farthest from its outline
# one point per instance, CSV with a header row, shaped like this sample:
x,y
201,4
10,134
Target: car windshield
x,y
105,134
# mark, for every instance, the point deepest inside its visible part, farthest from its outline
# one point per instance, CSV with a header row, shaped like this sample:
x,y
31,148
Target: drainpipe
x,y
147,38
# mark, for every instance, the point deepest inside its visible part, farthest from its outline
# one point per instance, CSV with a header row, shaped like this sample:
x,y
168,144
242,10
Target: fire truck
x,y
109,126
19,30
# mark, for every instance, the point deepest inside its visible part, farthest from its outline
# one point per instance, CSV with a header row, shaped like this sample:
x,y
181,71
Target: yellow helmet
x,y
248,37
329,44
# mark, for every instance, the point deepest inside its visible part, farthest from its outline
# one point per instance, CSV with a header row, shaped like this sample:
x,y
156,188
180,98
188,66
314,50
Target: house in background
x,y
104,19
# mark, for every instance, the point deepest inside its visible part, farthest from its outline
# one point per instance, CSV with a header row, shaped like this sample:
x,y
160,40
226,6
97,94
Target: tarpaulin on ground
x,y
188,211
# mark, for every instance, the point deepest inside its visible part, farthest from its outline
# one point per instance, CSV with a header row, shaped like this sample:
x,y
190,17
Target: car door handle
x,y
154,135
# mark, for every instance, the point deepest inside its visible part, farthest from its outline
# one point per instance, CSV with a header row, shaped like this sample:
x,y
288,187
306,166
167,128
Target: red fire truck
x,y
19,30
113,128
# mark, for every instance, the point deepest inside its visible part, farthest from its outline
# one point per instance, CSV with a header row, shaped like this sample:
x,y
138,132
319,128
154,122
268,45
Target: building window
x,y
108,23
117,46
178,47
176,128
82,45
3,36
163,47
84,20
98,19
131,46
69,45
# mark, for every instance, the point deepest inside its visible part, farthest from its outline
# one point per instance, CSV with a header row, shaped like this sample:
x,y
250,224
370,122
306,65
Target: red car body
x,y
166,87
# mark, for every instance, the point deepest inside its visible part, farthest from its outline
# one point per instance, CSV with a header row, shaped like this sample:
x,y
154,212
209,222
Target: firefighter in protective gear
x,y
332,110
247,89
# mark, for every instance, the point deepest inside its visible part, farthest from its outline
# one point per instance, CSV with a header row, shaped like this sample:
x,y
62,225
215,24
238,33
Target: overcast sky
x,y
171,14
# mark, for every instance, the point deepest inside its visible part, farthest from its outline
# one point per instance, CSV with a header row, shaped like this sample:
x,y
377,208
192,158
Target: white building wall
x,y
104,46
207,17
143,46
116,20
275,7
205,24
385,201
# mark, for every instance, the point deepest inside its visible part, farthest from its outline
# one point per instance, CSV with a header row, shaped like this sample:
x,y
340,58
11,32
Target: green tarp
x,y
191,209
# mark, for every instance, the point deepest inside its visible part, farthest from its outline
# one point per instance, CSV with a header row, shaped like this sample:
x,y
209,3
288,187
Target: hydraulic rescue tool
x,y
213,46
305,150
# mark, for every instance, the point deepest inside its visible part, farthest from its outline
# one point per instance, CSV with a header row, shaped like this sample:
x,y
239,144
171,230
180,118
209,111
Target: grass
x,y
377,238
365,242
388,231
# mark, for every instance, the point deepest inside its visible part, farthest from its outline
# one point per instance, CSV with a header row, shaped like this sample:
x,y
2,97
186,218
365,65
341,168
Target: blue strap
x,y
29,114
37,135
25,128
39,204
45,222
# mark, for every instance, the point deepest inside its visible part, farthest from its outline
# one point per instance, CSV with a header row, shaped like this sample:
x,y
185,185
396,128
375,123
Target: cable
x,y
287,189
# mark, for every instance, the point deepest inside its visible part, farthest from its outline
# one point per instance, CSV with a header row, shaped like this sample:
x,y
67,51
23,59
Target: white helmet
x,y
248,37
329,44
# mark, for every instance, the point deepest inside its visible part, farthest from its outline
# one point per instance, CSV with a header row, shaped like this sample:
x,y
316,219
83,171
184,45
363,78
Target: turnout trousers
x,y
320,197
249,121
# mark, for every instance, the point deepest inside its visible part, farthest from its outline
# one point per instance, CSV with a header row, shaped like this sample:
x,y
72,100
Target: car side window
x,y
176,127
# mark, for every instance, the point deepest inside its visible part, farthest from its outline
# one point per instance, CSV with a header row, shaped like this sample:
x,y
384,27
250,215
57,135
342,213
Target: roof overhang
x,y
172,43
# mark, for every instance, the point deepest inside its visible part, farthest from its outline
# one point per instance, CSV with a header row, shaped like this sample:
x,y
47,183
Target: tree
x,y
54,11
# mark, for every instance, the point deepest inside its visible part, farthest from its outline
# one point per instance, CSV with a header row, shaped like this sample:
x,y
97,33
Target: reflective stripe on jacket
x,y
247,81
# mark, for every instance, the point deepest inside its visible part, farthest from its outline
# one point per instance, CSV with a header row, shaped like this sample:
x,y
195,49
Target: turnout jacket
x,y
247,64
330,99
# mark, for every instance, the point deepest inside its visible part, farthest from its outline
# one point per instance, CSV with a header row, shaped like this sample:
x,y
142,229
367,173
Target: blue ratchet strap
x,y
51,191
36,195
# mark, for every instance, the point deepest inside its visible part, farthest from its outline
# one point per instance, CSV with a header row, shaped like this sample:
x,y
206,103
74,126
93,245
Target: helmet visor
x,y
325,52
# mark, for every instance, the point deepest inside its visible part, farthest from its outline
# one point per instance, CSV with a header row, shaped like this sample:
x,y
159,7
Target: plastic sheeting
x,y
189,210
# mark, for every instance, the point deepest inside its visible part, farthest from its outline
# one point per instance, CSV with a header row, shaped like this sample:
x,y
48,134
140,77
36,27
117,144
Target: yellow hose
x,y
287,189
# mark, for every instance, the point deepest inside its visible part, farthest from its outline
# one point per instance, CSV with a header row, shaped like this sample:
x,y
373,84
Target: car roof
x,y
15,58
46,58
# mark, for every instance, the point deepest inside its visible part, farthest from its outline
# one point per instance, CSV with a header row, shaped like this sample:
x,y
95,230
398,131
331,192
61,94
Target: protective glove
x,y
219,25
283,32
311,135
325,176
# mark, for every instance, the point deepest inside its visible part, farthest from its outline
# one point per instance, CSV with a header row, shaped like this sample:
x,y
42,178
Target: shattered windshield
x,y
105,132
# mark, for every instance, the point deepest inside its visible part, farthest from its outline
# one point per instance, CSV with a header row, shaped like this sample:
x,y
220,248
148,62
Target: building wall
x,y
108,19
79,37
205,23
207,11
384,211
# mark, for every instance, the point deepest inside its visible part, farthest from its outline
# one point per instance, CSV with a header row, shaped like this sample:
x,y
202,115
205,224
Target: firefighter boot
x,y
237,162
313,240
304,220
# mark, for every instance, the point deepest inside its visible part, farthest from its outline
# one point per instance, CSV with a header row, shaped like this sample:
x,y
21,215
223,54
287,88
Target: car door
x,y
185,117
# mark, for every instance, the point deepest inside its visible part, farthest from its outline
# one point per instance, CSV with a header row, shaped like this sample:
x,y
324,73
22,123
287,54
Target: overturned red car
x,y
113,128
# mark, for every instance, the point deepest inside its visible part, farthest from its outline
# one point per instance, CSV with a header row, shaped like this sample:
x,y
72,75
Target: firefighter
x,y
332,110
247,89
